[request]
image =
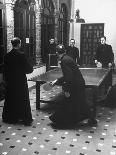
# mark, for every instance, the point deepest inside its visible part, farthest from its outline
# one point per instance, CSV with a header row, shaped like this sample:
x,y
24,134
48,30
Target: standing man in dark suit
x,y
104,54
73,51
51,58
17,103
73,107
52,46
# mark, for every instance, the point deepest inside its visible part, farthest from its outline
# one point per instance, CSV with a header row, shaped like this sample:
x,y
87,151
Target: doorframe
x,y
3,8
27,44
47,14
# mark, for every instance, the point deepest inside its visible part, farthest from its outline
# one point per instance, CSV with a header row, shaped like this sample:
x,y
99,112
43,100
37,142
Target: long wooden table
x,y
96,79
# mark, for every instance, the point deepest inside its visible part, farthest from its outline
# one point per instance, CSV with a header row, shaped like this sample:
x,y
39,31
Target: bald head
x,y
60,49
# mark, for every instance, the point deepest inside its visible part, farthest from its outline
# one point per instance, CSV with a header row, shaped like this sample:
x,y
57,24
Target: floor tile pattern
x,y
43,139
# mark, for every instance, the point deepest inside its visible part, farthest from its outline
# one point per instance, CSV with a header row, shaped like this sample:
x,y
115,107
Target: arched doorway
x,y
62,35
24,27
47,26
2,32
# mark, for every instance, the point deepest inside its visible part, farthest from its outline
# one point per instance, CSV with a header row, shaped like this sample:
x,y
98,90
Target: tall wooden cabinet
x,y
89,39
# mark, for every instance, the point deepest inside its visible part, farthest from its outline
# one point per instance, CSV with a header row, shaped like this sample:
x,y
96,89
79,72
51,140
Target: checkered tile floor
x,y
43,139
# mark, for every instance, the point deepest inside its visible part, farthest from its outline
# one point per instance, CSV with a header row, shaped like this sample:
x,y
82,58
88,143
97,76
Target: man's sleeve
x,y
97,54
77,55
111,54
67,71
27,65
60,81
68,75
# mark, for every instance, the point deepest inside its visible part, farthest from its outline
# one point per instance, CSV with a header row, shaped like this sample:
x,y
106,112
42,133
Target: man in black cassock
x,y
104,54
71,106
52,46
17,103
73,51
52,58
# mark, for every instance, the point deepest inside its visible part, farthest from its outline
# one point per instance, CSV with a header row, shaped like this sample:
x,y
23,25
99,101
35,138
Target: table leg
x,y
94,103
110,77
107,83
92,120
37,95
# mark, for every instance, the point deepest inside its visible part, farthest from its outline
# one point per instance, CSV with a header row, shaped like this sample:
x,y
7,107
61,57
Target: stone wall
x,y
9,4
9,23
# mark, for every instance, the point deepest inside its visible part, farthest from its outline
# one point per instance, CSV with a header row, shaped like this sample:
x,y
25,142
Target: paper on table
x,y
47,86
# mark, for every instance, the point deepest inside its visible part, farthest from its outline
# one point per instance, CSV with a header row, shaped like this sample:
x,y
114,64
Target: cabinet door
x,y
90,35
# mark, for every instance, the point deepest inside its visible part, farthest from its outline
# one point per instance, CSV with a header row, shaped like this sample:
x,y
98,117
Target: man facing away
x,y
73,51
104,54
17,103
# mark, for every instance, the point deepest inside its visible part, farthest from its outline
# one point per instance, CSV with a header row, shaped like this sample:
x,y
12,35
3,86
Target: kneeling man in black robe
x,y
72,106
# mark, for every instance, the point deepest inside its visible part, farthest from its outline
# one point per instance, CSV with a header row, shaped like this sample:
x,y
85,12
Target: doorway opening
x,y
24,27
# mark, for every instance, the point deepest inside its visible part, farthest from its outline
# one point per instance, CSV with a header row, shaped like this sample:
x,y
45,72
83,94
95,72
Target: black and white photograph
x,y
57,77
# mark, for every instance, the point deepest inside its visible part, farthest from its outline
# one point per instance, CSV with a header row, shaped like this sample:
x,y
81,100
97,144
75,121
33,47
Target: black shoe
x,y
92,122
28,123
10,121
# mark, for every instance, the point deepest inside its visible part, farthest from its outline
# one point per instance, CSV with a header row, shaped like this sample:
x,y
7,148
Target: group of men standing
x,y
73,107
70,50
104,54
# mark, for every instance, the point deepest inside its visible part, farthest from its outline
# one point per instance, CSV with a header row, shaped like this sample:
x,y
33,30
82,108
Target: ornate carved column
x,y
38,34
56,25
68,28
10,23
72,20
56,14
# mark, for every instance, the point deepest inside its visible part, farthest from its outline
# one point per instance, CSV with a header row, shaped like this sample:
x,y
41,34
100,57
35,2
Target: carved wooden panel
x,y
90,35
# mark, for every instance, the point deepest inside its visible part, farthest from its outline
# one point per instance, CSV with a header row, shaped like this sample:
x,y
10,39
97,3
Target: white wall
x,y
100,11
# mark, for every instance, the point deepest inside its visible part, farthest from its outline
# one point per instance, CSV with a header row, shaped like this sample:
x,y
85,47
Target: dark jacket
x,y
17,104
104,54
74,107
52,48
52,58
73,52
72,76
